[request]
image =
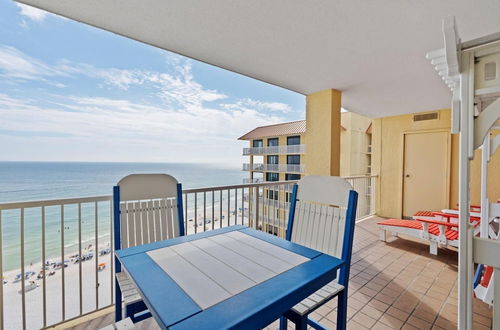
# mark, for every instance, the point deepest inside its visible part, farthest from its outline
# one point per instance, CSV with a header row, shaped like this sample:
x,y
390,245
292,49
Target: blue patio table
x,y
233,277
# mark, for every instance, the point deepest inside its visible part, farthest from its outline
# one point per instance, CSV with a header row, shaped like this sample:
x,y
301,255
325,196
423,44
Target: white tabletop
x,y
216,268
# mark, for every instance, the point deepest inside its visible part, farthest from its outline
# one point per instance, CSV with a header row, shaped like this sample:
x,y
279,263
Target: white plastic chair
x,y
146,208
322,217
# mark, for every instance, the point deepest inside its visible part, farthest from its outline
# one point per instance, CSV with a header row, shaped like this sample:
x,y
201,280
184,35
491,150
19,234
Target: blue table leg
x,y
118,302
283,323
301,323
342,310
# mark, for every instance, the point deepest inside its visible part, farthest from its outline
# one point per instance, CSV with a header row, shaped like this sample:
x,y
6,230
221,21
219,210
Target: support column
x,y
323,133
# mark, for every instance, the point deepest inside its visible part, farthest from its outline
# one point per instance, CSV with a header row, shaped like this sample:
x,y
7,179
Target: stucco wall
x,y
387,162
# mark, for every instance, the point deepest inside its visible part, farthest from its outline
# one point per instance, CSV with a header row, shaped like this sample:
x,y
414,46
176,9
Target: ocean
x,y
25,181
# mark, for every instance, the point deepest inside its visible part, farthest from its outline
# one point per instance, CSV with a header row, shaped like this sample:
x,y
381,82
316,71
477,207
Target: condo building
x,y
278,153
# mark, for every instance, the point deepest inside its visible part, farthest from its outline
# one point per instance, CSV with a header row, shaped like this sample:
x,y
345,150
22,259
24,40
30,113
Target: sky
x,y
71,92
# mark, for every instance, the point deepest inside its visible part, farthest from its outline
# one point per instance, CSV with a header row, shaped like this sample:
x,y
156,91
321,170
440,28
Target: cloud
x,y
32,13
258,105
176,88
178,120
124,130
15,64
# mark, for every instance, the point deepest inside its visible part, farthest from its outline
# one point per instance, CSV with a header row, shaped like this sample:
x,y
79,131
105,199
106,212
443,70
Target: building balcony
x,y
388,288
396,268
275,150
254,180
284,168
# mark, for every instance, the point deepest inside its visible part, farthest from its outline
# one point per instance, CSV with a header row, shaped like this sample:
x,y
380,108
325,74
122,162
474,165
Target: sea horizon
x,y
38,180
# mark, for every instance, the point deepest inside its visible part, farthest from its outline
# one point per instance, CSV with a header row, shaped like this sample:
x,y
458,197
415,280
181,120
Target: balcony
x,y
392,286
284,168
254,180
275,150
83,241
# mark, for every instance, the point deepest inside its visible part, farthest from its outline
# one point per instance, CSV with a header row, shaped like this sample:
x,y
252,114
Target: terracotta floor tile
x,y
367,291
445,323
391,321
479,326
408,326
419,323
364,320
327,323
385,298
390,292
374,286
361,297
478,318
378,305
332,316
353,325
425,313
372,312
355,303
397,313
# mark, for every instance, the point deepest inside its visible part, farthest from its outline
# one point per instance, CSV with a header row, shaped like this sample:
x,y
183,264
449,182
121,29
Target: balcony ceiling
x,y
373,51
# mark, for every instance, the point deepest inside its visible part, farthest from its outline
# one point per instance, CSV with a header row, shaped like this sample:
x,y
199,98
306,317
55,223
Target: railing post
x,y
257,208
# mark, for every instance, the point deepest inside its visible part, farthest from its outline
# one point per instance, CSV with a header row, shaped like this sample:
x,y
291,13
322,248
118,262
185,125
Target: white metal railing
x,y
78,232
48,237
289,168
253,180
276,150
366,187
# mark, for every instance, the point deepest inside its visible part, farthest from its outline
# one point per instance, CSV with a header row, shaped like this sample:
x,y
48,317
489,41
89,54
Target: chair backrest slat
x,y
149,209
156,221
170,223
124,227
163,219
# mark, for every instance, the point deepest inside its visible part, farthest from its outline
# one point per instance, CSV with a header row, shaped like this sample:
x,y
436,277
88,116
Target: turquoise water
x,y
23,181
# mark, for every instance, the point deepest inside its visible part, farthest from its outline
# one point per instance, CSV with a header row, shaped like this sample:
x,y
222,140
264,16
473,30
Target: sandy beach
x,y
54,289
95,293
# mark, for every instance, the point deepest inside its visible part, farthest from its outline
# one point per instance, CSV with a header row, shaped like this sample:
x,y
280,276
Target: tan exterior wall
x,y
323,133
387,162
354,142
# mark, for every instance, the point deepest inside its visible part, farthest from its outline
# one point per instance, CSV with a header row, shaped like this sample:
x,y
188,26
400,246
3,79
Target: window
x,y
272,176
292,176
272,142
293,140
273,230
272,159
287,197
272,194
257,143
293,159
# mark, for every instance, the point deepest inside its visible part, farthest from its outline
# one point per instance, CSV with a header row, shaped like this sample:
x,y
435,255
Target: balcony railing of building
x,y
288,168
253,180
275,150
64,247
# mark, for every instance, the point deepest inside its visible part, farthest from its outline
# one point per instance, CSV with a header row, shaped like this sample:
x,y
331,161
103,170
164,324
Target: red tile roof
x,y
294,127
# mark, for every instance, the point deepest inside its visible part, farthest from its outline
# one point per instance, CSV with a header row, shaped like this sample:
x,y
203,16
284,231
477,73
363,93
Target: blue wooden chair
x,y
146,208
322,216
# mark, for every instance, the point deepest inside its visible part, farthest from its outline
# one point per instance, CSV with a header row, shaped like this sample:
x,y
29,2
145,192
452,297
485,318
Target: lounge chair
x,y
322,216
146,208
437,228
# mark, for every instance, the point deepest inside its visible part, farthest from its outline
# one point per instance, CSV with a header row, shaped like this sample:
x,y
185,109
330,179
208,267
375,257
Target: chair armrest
x,y
445,215
451,215
437,222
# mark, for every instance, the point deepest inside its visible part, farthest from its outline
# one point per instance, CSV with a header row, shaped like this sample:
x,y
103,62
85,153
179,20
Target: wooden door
x,y
425,172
